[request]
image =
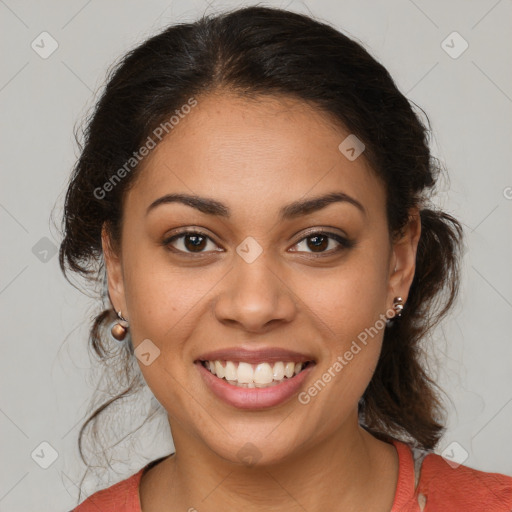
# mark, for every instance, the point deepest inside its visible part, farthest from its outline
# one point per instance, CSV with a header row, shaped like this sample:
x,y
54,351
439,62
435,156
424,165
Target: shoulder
x,y
462,487
120,497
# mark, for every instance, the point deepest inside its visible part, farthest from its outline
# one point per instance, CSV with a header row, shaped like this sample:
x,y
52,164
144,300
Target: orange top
x,y
441,488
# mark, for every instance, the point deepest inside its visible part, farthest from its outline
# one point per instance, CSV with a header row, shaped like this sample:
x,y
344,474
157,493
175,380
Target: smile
x,y
249,393
262,375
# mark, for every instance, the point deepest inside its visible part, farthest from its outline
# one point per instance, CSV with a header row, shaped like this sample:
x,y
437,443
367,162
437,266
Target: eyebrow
x,y
296,209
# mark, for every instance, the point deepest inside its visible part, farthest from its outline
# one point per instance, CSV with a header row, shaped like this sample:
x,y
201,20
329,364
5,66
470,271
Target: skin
x,y
256,157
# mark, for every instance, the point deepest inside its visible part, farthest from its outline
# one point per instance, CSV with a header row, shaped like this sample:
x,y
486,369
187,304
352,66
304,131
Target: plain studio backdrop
x,y
453,59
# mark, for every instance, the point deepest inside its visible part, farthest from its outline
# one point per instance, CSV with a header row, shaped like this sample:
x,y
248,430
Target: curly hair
x,y
258,51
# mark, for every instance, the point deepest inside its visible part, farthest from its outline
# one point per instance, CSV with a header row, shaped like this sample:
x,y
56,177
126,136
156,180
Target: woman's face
x,y
260,278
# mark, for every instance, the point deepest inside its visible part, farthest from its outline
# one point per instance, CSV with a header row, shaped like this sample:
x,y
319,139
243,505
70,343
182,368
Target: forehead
x,y
258,152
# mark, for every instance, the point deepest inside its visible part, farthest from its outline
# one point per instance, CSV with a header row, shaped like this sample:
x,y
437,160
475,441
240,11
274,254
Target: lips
x,y
276,393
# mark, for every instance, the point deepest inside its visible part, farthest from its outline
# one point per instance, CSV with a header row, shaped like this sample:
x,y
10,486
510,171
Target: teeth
x,y
289,369
259,375
219,370
230,371
263,374
278,372
245,373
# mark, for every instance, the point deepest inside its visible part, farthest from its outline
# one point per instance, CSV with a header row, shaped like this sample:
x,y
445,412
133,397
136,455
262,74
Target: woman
x,y
255,191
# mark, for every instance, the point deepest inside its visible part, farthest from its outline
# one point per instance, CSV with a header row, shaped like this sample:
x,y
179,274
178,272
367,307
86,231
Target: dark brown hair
x,y
266,51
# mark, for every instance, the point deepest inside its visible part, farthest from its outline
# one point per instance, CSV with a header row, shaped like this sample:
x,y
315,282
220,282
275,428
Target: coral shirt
x,y
441,488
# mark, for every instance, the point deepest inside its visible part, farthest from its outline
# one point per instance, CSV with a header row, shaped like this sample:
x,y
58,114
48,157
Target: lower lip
x,y
253,398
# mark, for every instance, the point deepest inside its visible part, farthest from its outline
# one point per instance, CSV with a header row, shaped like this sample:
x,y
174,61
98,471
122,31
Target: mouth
x,y
250,375
254,379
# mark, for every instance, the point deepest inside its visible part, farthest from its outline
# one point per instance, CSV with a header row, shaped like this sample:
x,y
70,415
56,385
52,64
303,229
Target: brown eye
x,y
194,243
320,241
188,242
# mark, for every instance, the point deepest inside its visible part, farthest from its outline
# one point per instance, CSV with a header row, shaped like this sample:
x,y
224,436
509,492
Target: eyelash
x,y
344,242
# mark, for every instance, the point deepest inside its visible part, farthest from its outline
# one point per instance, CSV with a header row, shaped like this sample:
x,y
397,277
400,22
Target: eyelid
x,y
343,241
323,231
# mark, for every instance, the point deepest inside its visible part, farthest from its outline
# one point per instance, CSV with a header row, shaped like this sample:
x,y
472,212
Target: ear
x,y
114,271
403,258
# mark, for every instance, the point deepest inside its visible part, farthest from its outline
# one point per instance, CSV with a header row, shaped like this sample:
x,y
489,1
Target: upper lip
x,y
262,355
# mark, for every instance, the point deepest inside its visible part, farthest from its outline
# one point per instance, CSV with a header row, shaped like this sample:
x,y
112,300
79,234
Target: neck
x,y
350,468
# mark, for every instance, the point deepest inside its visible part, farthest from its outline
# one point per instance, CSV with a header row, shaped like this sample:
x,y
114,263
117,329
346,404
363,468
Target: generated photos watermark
x,y
342,360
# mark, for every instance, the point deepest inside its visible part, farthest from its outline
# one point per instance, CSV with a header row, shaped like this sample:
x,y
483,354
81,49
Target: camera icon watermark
x,y
351,147
249,454
146,352
44,45
249,249
454,454
454,45
44,455
44,250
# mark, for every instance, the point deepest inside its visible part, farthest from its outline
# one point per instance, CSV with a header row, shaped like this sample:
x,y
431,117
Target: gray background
x,y
45,378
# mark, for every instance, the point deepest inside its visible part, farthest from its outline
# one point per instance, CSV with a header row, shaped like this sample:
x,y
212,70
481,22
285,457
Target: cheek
x,y
162,299
164,303
347,307
349,318
346,300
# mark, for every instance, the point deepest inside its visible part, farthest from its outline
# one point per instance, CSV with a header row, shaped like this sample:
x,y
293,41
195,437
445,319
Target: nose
x,y
255,297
